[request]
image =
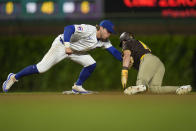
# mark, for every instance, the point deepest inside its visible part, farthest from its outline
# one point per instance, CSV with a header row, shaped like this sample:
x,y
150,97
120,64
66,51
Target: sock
x,y
85,73
29,70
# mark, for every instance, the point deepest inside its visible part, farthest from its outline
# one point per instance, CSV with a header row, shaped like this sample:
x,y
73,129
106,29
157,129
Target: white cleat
x,y
70,93
79,90
76,90
183,90
9,82
134,89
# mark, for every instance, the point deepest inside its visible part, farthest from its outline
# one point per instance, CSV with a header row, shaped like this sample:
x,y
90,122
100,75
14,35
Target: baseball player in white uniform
x,y
72,44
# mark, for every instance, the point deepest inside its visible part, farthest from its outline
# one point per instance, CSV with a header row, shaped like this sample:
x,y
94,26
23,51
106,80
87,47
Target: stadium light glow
x,y
31,7
85,7
68,7
47,7
9,8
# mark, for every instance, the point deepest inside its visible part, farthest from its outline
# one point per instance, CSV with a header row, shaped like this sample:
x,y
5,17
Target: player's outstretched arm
x,y
112,50
124,72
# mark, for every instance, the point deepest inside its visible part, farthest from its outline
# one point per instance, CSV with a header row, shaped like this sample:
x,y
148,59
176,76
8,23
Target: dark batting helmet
x,y
125,36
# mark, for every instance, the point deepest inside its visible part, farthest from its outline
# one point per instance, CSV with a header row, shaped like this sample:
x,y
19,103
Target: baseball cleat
x,y
80,90
70,93
183,90
134,89
9,82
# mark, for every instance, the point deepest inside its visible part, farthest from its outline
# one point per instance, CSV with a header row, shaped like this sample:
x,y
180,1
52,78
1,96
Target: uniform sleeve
x,y
79,28
113,51
68,31
83,30
106,44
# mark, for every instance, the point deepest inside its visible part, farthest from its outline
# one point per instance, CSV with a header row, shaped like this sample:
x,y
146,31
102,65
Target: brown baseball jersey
x,y
138,50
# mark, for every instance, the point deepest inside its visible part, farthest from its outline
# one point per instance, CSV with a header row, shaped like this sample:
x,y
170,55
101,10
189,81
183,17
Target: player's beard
x,y
101,37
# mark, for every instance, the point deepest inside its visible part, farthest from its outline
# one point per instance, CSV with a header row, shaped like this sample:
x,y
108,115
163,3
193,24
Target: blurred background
x,y
28,28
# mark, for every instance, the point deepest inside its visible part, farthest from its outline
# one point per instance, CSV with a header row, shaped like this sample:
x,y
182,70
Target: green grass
x,y
106,111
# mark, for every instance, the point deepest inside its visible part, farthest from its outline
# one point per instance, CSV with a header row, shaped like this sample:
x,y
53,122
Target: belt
x,y
142,56
61,40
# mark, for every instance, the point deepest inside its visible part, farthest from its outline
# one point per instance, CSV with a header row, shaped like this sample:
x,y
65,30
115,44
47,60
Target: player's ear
x,y
132,36
97,27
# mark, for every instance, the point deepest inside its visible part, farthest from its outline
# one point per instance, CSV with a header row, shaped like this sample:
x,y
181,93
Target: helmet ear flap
x,y
120,44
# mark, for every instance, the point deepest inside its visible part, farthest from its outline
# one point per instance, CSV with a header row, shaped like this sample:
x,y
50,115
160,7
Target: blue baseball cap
x,y
108,25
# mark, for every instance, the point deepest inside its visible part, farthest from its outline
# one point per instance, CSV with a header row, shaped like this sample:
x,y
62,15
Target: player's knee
x,y
93,65
41,68
91,68
141,82
154,89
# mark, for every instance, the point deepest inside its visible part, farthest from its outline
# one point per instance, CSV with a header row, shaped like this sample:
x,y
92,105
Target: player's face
x,y
105,34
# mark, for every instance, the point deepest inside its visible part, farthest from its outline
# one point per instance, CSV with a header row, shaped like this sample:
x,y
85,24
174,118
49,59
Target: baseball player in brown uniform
x,y
150,68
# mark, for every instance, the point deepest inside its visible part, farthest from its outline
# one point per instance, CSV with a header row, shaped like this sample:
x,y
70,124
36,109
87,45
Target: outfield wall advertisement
x,y
154,8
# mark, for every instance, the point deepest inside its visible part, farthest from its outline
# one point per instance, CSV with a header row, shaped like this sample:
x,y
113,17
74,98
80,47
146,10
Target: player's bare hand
x,y
68,51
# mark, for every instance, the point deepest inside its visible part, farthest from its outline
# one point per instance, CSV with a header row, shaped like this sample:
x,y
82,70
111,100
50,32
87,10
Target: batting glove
x,y
124,77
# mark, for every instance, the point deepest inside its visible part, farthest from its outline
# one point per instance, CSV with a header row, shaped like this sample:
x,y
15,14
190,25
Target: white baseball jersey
x,y
84,39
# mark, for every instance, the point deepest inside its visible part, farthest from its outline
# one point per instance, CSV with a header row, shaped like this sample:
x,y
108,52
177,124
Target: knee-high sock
x,y
85,73
29,70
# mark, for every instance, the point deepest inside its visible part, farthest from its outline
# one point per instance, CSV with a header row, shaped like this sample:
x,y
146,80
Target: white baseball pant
x,y
57,53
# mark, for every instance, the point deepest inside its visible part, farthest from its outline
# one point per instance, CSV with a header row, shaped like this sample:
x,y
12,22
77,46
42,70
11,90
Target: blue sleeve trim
x,y
68,31
115,53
